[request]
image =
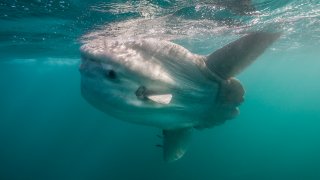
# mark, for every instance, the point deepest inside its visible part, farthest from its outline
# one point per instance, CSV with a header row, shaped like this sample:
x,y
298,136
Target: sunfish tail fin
x,y
233,58
175,143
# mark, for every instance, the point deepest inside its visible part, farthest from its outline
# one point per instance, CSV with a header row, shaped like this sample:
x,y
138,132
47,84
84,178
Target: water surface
x,y
48,131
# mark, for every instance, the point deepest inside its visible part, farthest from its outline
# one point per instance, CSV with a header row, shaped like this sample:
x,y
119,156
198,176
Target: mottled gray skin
x,y
160,66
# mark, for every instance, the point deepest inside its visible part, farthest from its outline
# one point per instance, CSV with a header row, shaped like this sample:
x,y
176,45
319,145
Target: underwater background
x,y
48,131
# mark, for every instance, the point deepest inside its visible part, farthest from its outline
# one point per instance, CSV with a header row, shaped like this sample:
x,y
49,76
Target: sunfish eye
x,y
111,74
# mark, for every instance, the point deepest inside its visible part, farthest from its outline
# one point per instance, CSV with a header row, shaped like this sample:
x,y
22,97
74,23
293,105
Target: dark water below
x,y
48,131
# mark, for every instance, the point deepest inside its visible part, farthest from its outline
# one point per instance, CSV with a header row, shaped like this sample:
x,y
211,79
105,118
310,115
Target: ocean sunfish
x,y
161,84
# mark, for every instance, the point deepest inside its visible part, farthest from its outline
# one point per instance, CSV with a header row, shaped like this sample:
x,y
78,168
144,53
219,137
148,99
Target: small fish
x,y
159,145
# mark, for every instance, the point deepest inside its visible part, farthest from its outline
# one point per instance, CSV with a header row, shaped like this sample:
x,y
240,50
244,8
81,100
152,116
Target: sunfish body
x,y
161,84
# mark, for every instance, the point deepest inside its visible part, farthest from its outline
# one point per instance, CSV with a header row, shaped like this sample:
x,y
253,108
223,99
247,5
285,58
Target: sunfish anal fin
x,y
175,143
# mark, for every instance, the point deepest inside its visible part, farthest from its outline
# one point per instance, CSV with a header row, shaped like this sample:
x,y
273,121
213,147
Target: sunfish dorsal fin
x,y
233,58
175,143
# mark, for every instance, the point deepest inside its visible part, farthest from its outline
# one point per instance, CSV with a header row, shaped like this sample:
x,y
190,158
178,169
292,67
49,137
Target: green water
x,y
48,131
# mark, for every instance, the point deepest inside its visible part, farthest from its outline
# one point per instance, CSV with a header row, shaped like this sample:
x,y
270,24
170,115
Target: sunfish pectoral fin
x,y
233,58
175,143
161,98
145,94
